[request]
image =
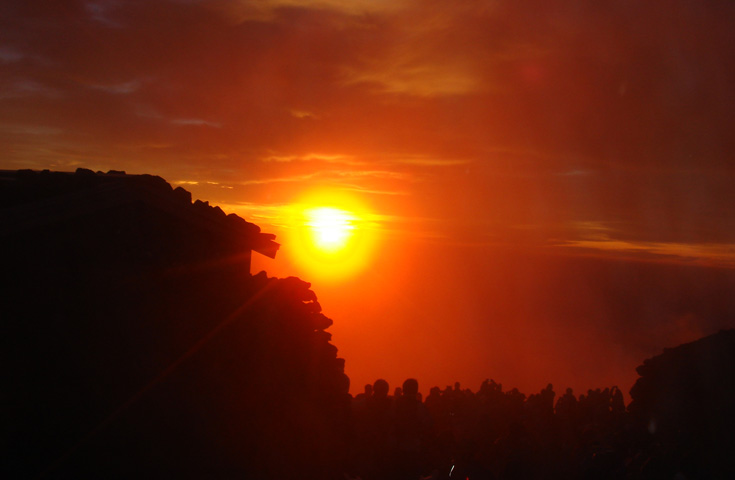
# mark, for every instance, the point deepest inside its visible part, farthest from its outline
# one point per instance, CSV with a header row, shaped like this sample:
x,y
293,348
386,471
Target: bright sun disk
x,y
331,228
333,235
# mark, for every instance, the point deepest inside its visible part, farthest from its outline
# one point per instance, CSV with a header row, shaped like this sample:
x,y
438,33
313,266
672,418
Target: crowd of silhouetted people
x,y
495,434
490,433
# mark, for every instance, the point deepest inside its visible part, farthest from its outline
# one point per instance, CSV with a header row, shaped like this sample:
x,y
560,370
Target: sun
x,y
332,235
331,228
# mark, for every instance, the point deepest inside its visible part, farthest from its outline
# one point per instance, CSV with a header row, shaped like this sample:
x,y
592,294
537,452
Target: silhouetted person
x,y
359,403
617,405
547,399
412,423
566,406
367,393
378,432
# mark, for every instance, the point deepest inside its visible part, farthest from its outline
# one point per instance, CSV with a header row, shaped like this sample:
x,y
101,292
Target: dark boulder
x,y
685,399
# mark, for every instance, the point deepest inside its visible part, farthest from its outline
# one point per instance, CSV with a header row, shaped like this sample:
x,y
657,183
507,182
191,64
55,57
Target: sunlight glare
x,y
330,227
332,235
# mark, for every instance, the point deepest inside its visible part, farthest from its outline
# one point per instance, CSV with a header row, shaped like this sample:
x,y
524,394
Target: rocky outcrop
x,y
135,346
685,398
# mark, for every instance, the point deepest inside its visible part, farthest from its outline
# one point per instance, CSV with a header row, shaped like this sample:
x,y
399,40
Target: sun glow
x,y
332,235
331,228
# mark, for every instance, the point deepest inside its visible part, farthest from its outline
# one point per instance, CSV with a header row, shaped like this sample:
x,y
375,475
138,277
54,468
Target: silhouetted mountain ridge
x,y
136,342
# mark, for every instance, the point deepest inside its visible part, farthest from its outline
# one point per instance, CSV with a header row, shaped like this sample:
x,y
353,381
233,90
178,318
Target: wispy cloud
x,y
372,191
722,255
147,111
197,122
285,179
240,11
343,178
101,11
10,55
383,174
421,80
303,114
30,129
348,6
418,160
29,88
323,157
574,173
429,161
278,215
119,88
593,230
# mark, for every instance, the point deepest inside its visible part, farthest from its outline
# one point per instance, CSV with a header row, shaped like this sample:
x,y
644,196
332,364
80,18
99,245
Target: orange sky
x,y
550,183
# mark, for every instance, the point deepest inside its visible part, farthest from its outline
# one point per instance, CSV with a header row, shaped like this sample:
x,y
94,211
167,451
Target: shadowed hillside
x,y
136,342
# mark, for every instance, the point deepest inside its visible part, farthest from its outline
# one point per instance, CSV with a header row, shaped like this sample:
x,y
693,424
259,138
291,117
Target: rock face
x,y
685,397
135,344
140,214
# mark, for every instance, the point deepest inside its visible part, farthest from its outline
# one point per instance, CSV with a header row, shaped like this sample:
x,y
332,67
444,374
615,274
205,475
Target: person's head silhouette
x,y
380,388
410,387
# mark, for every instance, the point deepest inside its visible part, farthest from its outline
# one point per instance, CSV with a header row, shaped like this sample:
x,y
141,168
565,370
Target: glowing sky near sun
x,y
502,153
